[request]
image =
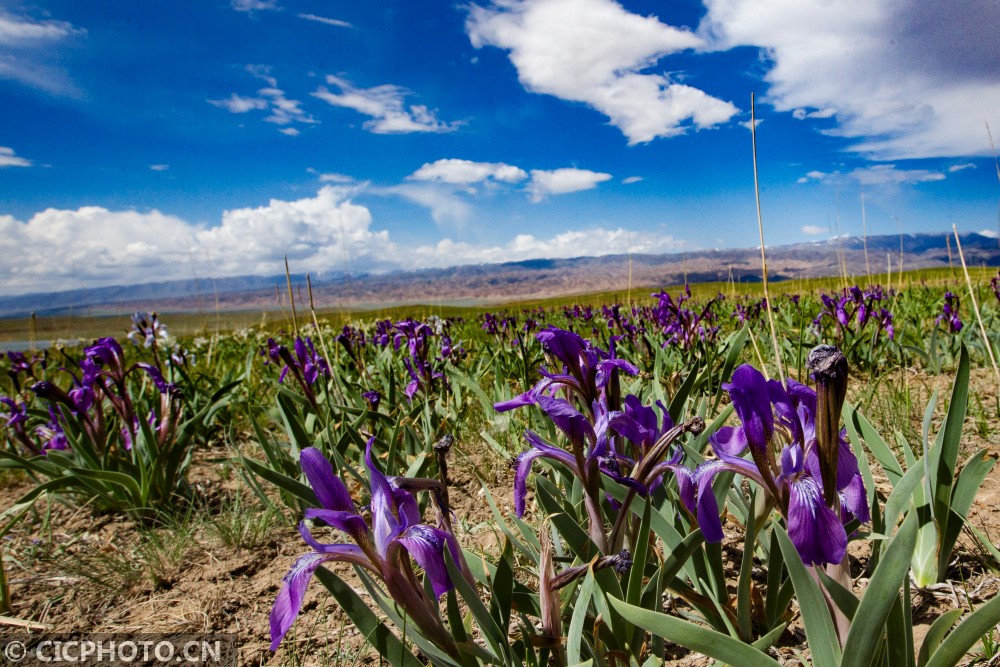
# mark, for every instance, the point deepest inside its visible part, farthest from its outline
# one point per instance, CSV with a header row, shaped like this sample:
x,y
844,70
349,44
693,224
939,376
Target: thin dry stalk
x,y
841,257
864,237
312,311
996,163
291,296
763,258
629,272
975,308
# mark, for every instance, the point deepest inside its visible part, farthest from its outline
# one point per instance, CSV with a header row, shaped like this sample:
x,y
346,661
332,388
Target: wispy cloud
x,y
960,167
8,158
322,19
814,230
597,53
250,6
159,167
632,179
281,110
29,55
239,104
876,175
931,77
467,172
445,205
385,105
330,177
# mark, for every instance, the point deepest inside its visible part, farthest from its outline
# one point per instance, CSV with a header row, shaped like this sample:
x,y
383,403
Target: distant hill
x,y
489,283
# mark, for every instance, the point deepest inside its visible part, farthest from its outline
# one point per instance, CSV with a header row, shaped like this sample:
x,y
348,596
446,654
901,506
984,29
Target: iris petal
x,y
329,488
289,601
815,530
426,545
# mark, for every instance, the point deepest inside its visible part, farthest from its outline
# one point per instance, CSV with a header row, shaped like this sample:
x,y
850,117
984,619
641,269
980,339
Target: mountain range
x,y
538,278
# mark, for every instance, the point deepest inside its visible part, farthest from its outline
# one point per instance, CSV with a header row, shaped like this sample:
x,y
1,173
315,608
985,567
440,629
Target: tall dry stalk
x,y
291,297
864,236
996,163
975,308
760,229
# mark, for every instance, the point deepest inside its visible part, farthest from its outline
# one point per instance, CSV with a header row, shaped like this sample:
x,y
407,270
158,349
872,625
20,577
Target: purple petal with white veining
x,y
289,601
426,545
815,529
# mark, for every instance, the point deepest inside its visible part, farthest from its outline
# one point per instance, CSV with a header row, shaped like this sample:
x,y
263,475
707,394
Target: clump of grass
x,y
162,550
244,524
892,405
155,557
981,417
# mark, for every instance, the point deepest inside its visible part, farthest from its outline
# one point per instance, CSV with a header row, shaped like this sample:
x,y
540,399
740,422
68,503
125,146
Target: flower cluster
x,y
995,286
682,326
857,306
620,439
749,310
98,383
306,366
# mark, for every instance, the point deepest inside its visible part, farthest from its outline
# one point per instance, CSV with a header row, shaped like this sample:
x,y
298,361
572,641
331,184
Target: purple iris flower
x,y
949,313
107,356
778,426
995,286
18,411
147,328
593,439
373,398
586,371
52,434
383,545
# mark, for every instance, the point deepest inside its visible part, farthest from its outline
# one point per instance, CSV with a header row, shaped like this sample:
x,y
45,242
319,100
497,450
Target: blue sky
x,y
146,141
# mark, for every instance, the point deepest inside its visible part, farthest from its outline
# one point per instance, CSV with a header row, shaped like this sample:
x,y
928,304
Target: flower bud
x,y
829,369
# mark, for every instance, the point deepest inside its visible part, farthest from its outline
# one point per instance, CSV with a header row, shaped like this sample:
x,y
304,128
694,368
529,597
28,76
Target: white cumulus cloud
x,y
8,158
562,181
466,172
385,105
581,243
597,53
813,230
92,246
902,78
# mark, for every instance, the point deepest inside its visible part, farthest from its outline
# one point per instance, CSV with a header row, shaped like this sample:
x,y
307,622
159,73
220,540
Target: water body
x,y
44,344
